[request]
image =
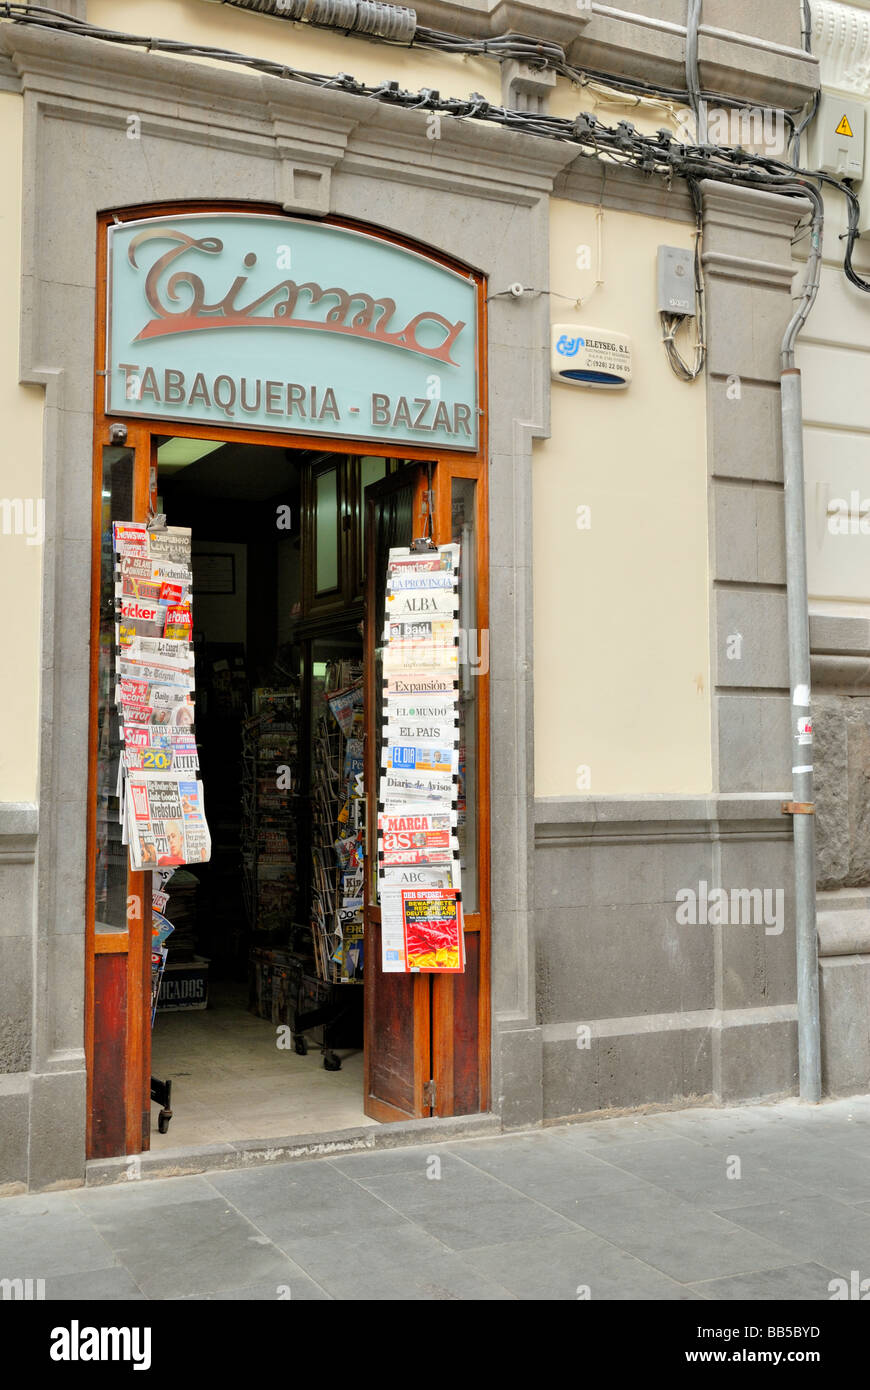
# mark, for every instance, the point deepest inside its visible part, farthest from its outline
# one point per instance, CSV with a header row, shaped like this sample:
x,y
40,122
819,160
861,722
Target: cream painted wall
x,y
621,609
21,480
300,45
833,354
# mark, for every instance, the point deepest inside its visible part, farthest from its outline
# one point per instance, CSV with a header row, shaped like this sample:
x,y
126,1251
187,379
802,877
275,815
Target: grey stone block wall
x,y
18,841
841,724
637,1007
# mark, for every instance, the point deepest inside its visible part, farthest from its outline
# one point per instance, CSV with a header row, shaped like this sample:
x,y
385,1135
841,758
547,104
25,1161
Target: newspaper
x,y
155,694
409,836
420,683
398,787
162,814
168,651
433,708
164,821
440,602
404,561
157,673
421,757
421,876
418,847
413,730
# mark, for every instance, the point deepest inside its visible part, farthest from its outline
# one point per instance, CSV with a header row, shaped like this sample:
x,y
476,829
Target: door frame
x,y
418,987
131,1030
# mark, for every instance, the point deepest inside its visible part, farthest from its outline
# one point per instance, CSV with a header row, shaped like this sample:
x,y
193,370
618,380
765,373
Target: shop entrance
x,y
271,1023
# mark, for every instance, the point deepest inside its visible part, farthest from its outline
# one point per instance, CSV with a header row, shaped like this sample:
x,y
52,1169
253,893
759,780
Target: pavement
x,y
761,1202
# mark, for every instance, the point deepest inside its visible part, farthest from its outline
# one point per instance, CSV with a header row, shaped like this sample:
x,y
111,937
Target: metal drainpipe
x,y
801,807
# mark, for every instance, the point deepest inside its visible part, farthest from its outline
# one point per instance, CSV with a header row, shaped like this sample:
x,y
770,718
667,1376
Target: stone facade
x,y
583,924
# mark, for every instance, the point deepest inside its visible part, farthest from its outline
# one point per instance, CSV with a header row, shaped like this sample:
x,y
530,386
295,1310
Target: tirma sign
x,y
273,323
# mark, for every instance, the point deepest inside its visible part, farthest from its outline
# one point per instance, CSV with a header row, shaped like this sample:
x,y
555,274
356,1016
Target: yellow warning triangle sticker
x,y
844,128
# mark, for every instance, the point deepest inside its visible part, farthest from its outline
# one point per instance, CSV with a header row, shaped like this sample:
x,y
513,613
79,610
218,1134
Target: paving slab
x,y
791,1283
633,1207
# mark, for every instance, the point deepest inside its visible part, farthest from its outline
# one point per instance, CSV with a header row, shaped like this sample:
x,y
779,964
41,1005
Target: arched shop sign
x,y
273,323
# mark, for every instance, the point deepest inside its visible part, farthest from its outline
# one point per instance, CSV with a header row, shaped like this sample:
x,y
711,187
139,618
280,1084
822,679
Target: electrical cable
x,y
812,109
671,323
651,154
693,81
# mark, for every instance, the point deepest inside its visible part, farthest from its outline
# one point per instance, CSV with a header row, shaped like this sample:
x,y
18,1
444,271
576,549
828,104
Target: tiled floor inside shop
x,y
230,1080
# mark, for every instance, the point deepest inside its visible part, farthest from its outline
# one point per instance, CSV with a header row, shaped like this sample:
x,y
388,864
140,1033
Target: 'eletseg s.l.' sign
x,y
273,323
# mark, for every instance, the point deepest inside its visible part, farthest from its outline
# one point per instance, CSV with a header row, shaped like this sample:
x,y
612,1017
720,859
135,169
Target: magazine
x,y
432,931
141,619
345,705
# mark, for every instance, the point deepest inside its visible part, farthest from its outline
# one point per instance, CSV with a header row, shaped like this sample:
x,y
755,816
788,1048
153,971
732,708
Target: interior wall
x,y
223,616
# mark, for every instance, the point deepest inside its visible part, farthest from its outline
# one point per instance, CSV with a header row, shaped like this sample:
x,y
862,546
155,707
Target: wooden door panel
x,y
397,1063
456,1036
108,1068
397,1036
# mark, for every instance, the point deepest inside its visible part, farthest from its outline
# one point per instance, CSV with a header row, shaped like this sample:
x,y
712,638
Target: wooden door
x,y
398,1043
118,978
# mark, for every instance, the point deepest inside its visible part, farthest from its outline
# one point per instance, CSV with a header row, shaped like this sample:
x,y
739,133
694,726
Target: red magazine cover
x,y
432,928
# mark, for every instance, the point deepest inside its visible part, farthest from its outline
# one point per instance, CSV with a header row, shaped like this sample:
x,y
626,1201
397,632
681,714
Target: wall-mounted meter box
x,y
590,356
836,137
675,269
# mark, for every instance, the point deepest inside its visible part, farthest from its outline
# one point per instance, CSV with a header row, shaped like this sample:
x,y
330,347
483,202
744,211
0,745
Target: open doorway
x,y
260,1020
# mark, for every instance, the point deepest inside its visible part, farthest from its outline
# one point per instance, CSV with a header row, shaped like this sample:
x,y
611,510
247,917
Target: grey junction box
x,y
676,281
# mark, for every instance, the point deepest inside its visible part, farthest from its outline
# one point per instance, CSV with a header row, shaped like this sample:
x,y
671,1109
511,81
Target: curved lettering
x,y
355,313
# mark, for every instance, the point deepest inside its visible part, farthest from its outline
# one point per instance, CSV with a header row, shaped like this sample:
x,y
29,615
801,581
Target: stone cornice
x,y
841,39
624,189
91,81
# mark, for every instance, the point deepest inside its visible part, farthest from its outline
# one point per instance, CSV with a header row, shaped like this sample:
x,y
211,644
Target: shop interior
x,y
260,1020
